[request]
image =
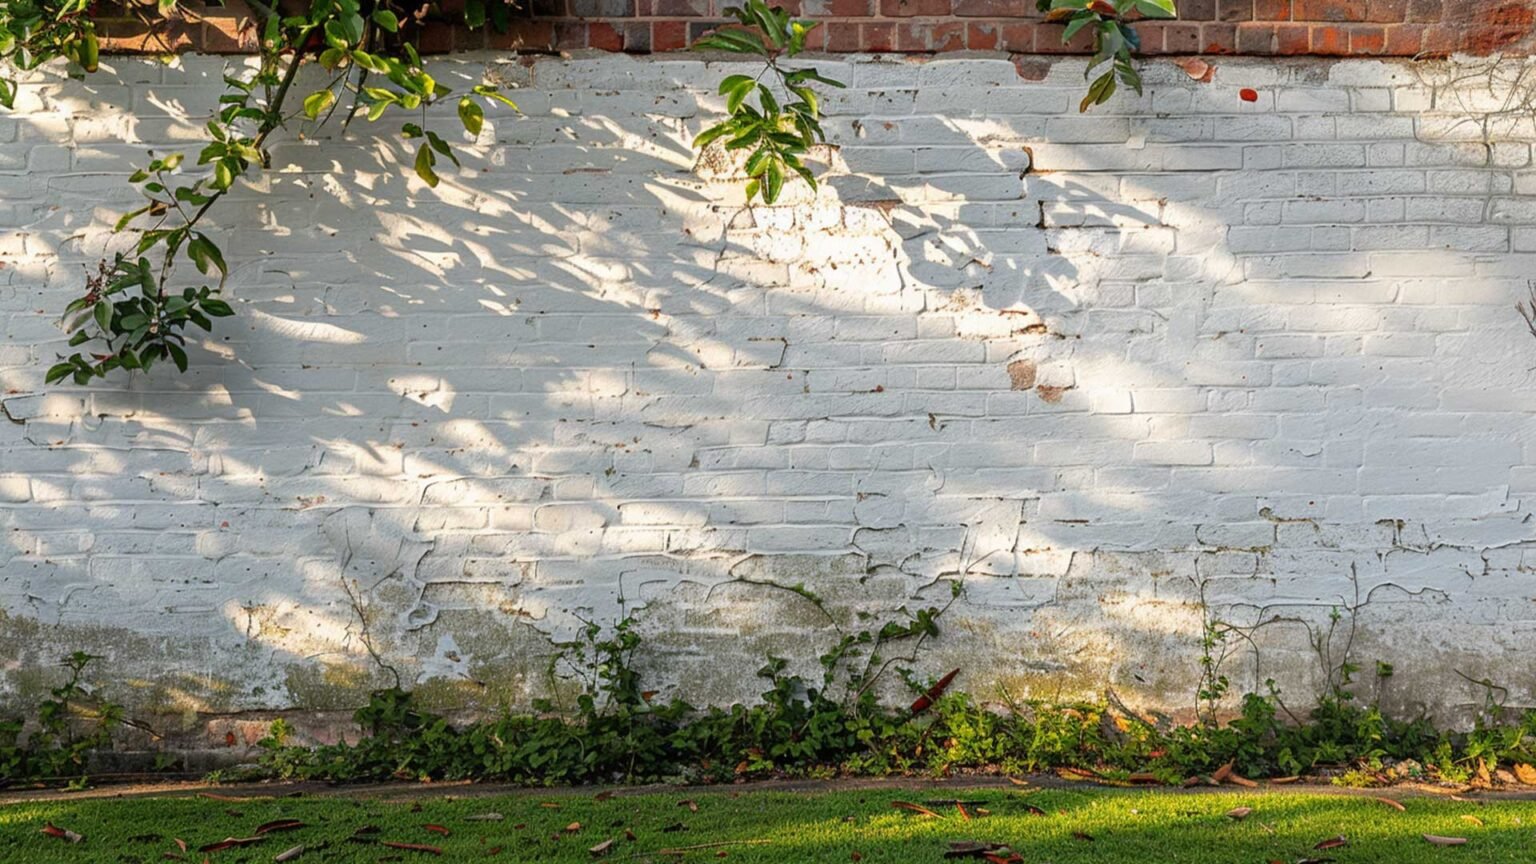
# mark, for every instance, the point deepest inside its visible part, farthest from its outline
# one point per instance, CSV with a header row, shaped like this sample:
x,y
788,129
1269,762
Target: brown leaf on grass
x,y
279,825
603,795
855,857
692,805
413,847
1085,837
1240,780
1239,813
1222,773
485,817
230,843
1033,810
64,834
573,827
915,808
1525,774
180,843
629,835
1332,843
1468,817
1281,780
1395,805
925,701
289,854
1437,840
601,849
1144,777
549,805
963,815
1017,782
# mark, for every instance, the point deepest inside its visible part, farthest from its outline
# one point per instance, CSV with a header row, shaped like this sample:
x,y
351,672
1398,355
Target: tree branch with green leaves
x,y
130,315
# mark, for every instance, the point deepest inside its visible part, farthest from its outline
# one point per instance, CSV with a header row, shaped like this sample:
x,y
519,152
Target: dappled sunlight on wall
x,y
1188,357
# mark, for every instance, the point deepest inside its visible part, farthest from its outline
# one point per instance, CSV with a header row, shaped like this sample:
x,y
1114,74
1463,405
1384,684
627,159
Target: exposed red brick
x,y
912,36
1234,10
843,36
1255,38
1271,10
1217,38
1181,38
1386,11
1292,39
1330,40
1031,68
948,35
1440,39
879,37
1197,10
1368,40
981,37
604,36
1425,11
994,8
1021,37
669,35
1490,26
903,8
1329,10
1405,40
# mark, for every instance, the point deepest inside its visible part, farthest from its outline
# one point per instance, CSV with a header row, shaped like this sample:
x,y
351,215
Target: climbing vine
x,y
137,310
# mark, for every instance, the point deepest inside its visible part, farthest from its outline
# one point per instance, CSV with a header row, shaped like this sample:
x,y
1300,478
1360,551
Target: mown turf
x,y
1087,825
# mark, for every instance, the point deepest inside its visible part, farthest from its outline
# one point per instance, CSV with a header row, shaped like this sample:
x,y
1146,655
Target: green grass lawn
x,y
718,825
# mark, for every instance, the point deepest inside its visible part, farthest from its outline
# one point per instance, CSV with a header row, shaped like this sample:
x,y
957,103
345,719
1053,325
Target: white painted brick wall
x,y
1261,351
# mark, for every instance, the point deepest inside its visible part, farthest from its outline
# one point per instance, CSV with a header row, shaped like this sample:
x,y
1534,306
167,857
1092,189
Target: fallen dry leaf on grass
x,y
279,825
601,849
1332,843
484,817
437,829
289,854
573,827
915,808
1468,817
413,847
230,843
1239,813
1395,805
65,834
692,805
1437,840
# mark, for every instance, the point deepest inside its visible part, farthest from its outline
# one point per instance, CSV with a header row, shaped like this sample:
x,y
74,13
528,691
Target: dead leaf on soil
x,y
1437,840
1525,774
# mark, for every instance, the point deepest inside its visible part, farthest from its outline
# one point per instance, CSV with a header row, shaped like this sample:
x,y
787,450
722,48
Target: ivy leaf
x,y
471,115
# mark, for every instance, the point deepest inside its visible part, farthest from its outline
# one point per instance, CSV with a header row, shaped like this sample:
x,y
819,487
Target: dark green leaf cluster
x,y
70,725
785,122
32,32
1114,38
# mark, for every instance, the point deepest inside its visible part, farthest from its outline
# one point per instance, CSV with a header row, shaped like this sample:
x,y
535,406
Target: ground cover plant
x,y
885,826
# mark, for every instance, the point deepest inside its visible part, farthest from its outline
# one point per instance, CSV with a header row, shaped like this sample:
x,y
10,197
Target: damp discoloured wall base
x,y
1187,358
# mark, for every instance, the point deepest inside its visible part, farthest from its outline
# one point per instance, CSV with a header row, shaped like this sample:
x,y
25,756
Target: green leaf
x,y
217,308
129,217
471,115
206,255
474,14
386,20
317,102
103,315
1156,8
424,162
178,356
58,372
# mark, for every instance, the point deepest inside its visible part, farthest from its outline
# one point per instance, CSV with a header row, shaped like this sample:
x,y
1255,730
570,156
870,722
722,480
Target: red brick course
x,y
1254,27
